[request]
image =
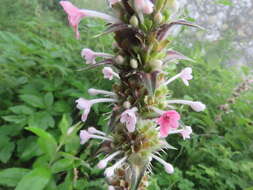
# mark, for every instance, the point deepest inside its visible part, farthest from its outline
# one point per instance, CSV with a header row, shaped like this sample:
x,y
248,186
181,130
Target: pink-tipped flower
x,y
90,56
196,106
109,73
85,105
75,15
167,166
185,75
94,92
186,132
85,136
144,6
129,118
103,163
168,120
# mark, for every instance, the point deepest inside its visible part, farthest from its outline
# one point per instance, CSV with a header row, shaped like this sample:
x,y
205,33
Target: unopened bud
x,y
156,64
173,6
134,21
134,63
127,104
119,59
158,18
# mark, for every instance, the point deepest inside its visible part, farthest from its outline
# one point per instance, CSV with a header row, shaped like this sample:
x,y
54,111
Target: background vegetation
x,y
41,75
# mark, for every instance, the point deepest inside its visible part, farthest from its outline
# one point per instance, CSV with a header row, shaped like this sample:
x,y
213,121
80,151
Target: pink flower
x,y
84,136
186,75
129,118
109,73
90,56
75,15
186,132
145,6
85,105
168,120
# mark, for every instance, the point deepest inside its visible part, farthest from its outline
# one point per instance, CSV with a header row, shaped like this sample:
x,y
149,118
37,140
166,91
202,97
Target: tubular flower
x,y
168,120
75,15
129,118
109,73
90,56
167,166
94,92
85,136
85,105
185,75
196,106
103,163
185,132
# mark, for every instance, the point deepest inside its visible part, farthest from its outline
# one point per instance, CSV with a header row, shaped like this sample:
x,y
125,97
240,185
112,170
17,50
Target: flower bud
x,y
158,18
127,104
134,63
134,21
102,164
156,64
119,59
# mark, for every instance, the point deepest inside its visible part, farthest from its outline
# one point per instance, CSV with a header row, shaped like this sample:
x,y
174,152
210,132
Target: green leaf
x,y
22,109
64,124
18,119
6,149
37,179
61,165
33,100
249,188
46,141
49,99
26,149
41,120
11,176
67,184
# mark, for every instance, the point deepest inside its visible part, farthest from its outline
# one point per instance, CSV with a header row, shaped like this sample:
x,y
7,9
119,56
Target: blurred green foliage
x,y
40,79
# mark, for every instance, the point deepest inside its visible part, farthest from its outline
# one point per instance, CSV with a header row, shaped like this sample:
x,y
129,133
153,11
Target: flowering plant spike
x,y
143,115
